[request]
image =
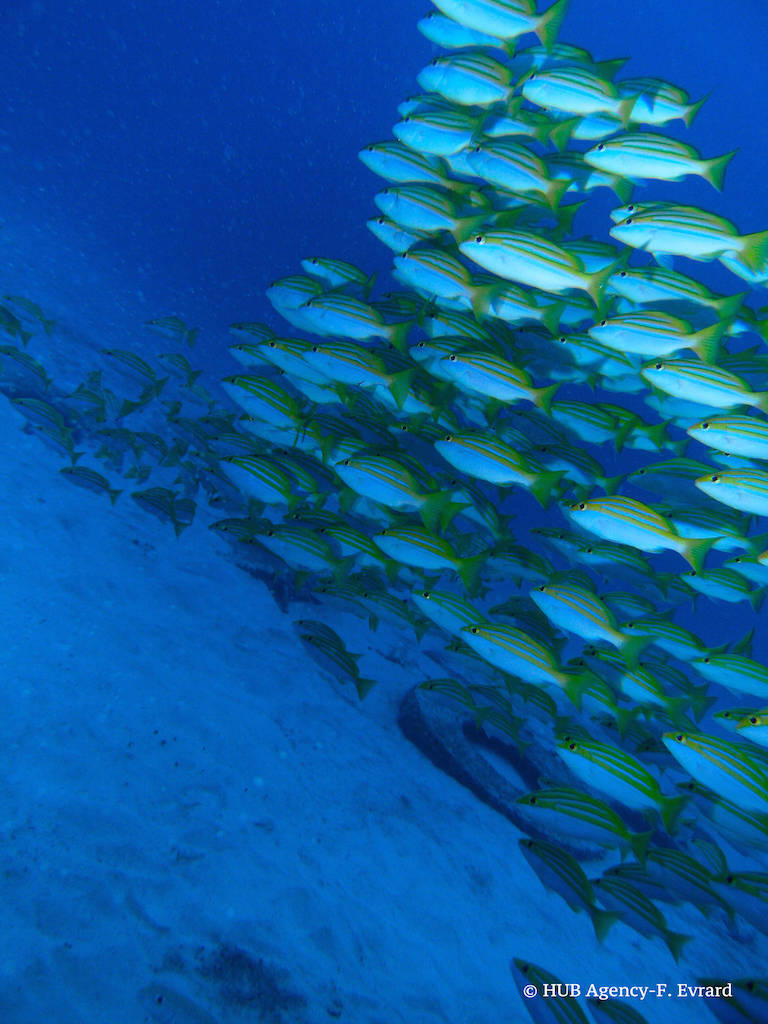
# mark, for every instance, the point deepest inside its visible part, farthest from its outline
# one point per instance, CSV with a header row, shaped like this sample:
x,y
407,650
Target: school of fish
x,y
443,457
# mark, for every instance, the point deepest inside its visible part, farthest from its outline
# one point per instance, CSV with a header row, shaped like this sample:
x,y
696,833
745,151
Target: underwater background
x,y
198,822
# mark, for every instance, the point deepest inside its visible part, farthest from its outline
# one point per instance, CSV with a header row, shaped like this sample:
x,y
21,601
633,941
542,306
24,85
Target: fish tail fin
x,y
364,686
598,280
542,397
715,169
706,343
675,942
639,842
625,110
623,189
550,317
756,598
695,551
556,189
48,326
693,109
544,485
632,648
560,133
191,337
400,384
397,335
434,508
549,24
575,685
624,718
469,572
754,251
465,227
671,809
729,305
603,920
368,286
565,217
743,646
624,431
115,494
699,702
611,484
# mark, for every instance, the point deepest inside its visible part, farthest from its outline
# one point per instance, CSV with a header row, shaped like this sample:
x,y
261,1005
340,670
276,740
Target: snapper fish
x,y
469,79
506,19
627,521
650,333
669,230
532,260
558,871
723,766
583,818
621,777
658,102
743,489
174,329
649,155
576,90
515,652
530,980
638,912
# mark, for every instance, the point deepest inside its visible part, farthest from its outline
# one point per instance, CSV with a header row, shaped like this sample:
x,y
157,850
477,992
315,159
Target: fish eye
x,y
679,737
706,661
426,594
705,426
479,239
473,630
380,220
603,323
659,366
532,800
452,359
315,348
753,720
383,533
630,625
563,339
628,220
582,505
435,62
623,273
270,533
542,589
729,879
406,120
447,437
600,148
571,746
714,479
345,462
630,208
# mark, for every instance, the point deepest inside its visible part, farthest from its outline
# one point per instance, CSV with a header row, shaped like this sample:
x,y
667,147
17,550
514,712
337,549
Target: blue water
x,y
174,158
